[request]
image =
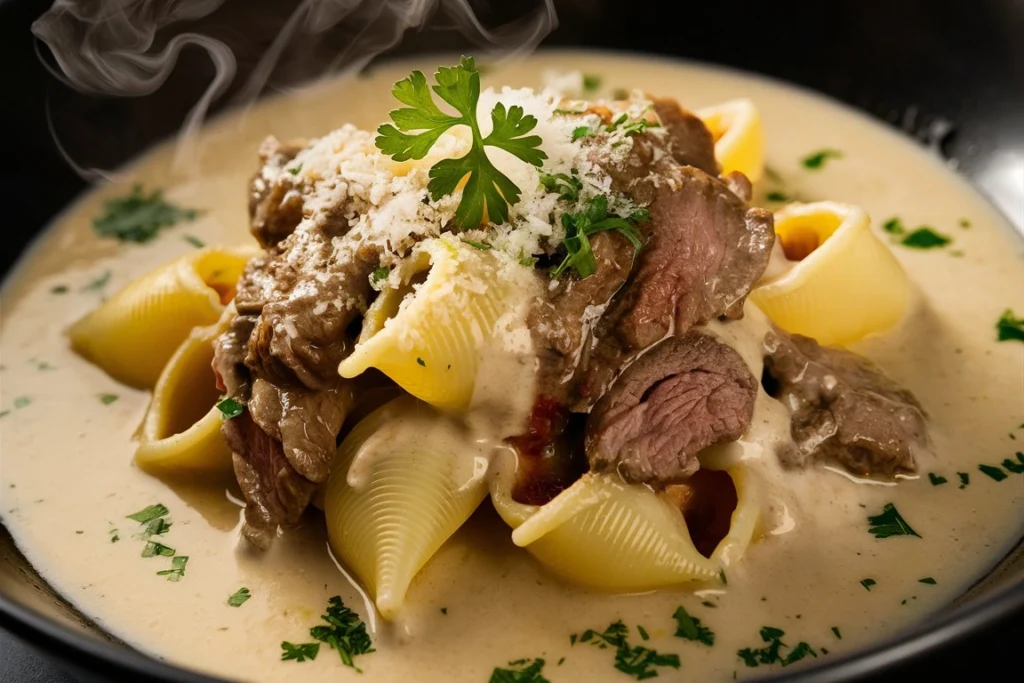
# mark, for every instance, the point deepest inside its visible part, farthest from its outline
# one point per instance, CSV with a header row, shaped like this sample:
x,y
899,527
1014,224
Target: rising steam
x,y
128,48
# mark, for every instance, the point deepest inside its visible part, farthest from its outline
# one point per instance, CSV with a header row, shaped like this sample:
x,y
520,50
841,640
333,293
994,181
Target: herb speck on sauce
x,y
139,217
107,399
444,610
965,479
1009,327
890,523
422,363
928,580
520,671
177,570
345,632
776,196
149,513
239,597
964,223
194,241
22,402
936,480
300,652
868,583
154,549
817,159
635,660
835,630
772,652
992,471
690,628
925,238
591,82
1015,467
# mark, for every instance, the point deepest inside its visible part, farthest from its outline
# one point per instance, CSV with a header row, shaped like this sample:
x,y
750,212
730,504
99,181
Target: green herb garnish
x,y
592,219
154,549
637,661
936,479
149,513
444,611
239,597
177,569
22,402
155,527
567,187
581,132
139,217
59,289
964,223
230,408
690,628
478,245
894,226
890,523
378,276
925,238
300,652
818,159
420,362
1015,467
772,652
520,671
835,630
928,580
1009,327
107,399
345,632
993,472
776,196
194,241
965,479
591,82
867,583
488,191
99,283
294,170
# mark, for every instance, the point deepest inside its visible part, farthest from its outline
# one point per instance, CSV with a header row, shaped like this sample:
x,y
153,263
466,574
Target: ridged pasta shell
x,y
847,283
415,488
428,338
606,534
739,136
181,431
133,334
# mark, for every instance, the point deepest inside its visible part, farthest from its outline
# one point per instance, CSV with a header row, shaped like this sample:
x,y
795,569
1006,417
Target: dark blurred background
x,y
949,72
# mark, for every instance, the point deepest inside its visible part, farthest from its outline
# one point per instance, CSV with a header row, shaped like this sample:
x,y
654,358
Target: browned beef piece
x,y
275,493
843,408
275,203
229,357
689,141
685,394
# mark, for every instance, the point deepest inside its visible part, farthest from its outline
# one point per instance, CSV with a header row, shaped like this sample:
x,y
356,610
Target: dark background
x,y
908,62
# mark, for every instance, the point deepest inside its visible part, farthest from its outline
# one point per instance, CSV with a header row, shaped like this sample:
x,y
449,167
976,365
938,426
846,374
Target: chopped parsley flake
x,y
149,513
636,661
868,583
155,527
936,479
378,276
194,241
620,94
239,597
928,580
772,652
488,191
993,472
894,226
1015,467
835,630
690,628
230,408
99,283
114,535
107,399
722,577
566,186
59,289
294,170
581,132
154,549
964,223
890,523
776,196
444,610
520,671
592,219
591,83
817,159
139,217
345,632
925,238
965,479
643,633
22,402
1009,327
177,569
478,245
300,652
422,363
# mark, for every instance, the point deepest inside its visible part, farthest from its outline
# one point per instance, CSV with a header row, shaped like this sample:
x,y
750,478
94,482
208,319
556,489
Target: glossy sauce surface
x,y
67,478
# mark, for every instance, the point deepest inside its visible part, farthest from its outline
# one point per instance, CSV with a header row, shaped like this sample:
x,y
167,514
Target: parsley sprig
x,y
590,220
488,191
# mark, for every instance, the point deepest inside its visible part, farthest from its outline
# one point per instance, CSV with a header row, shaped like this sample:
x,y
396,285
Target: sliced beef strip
x,y
843,408
689,141
685,394
275,200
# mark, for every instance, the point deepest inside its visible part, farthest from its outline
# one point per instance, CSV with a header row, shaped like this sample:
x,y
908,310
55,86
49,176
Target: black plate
x,y
917,64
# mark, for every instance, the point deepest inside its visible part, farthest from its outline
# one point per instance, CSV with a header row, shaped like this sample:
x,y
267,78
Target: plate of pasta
x,y
645,372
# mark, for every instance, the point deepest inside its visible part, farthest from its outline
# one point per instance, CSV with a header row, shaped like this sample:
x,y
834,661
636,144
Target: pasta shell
x,y
427,335
606,534
739,137
845,283
414,489
181,430
133,334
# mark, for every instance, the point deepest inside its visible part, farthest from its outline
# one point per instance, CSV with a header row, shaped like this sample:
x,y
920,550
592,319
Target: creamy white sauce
x,y
67,477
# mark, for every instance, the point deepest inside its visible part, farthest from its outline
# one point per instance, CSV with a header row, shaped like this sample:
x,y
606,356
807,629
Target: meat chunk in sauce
x,y
685,394
843,408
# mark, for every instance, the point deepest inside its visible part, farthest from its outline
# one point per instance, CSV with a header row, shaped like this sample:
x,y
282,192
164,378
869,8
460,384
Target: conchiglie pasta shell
x,y
739,136
606,534
413,491
133,334
181,431
847,286
428,340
